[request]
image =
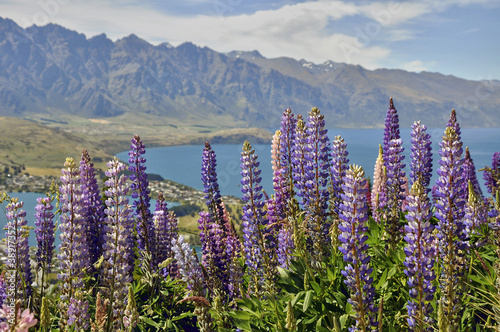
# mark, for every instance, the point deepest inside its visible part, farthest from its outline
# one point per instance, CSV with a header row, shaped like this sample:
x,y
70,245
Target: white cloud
x,y
418,66
302,30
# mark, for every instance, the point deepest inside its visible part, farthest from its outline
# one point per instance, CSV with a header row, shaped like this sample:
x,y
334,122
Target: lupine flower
x,y
451,235
420,257
131,317
189,268
94,212
421,156
73,251
78,315
24,321
287,141
491,175
17,250
3,290
339,165
396,180
166,230
453,123
354,215
475,212
469,174
312,180
220,244
118,241
140,194
379,188
44,230
391,130
259,241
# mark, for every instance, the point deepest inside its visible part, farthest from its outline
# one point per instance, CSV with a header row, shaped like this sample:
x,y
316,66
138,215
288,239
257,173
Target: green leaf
x,y
307,300
382,280
343,321
285,275
150,322
482,281
315,286
297,298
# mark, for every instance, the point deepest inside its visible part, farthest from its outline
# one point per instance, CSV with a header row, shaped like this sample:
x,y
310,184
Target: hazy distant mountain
x,y
51,69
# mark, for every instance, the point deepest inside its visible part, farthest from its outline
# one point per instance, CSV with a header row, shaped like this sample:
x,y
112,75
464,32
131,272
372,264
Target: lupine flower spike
x,y
19,268
379,188
354,215
339,166
420,257
140,193
259,242
73,250
451,235
44,230
118,243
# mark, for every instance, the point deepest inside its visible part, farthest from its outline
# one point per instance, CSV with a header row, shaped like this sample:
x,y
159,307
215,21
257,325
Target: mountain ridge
x,y
52,70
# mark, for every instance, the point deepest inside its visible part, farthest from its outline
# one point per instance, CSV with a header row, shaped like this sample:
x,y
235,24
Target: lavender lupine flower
x,y
339,165
314,191
420,257
379,188
453,123
391,130
220,244
287,141
73,251
78,313
259,241
17,251
94,214
3,290
118,242
44,230
451,236
421,156
491,175
354,215
475,212
166,231
140,194
233,250
191,273
396,180
469,174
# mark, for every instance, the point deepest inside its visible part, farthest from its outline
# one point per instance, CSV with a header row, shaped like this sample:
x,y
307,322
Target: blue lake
x,y
183,163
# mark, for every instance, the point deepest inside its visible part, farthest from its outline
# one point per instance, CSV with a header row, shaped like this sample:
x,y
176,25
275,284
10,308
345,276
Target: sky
x,y
452,37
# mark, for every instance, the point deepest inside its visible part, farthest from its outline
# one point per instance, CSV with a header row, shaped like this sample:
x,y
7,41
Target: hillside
x,y
53,75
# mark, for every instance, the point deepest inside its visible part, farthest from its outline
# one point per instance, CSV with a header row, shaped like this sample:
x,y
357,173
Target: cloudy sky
x,y
456,37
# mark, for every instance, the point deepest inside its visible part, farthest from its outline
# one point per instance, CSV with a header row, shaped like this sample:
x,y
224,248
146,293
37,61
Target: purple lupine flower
x,y
166,231
396,180
233,251
421,156
189,268
391,130
78,313
420,257
3,290
73,251
287,141
259,240
140,194
285,247
453,123
451,236
118,243
44,230
220,244
491,175
475,211
94,212
18,251
353,227
315,193
469,174
339,166
379,188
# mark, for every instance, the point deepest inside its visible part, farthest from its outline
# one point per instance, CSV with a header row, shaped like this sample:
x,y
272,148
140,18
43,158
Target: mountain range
x,y
50,71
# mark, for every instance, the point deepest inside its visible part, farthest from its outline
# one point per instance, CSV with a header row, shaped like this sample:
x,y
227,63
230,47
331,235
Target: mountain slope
x,y
55,71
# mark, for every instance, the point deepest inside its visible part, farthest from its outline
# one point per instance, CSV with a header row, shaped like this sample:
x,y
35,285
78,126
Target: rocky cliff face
x,y
51,69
